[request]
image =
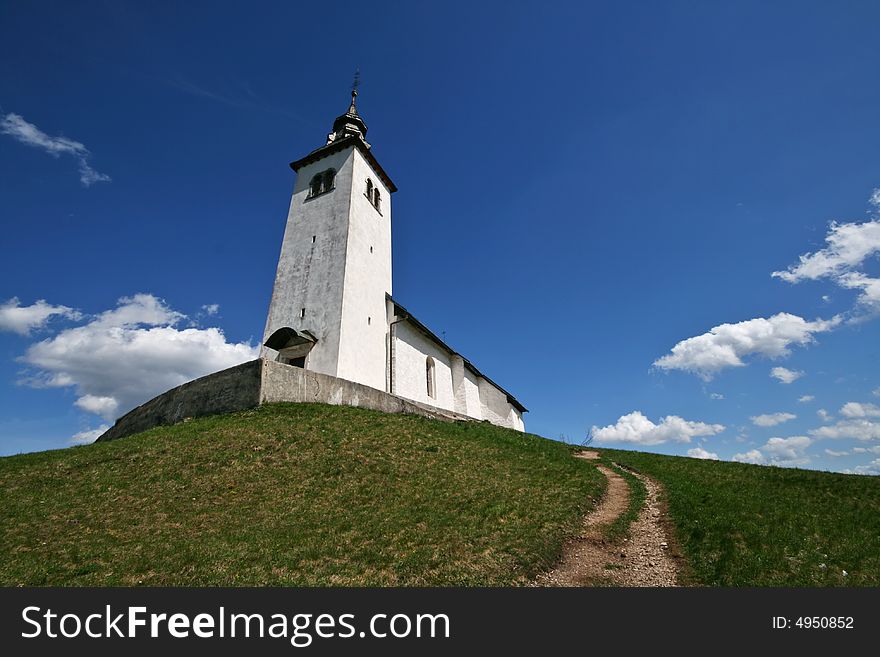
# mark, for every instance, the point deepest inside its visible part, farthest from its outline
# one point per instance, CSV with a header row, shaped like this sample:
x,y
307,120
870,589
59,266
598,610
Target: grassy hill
x,y
750,525
294,494
314,495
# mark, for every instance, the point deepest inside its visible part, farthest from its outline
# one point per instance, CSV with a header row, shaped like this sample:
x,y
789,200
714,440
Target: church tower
x,y
328,307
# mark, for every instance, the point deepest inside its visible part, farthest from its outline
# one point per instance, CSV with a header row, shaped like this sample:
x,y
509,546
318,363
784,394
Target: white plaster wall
x,y
310,274
362,351
495,406
411,349
516,419
472,395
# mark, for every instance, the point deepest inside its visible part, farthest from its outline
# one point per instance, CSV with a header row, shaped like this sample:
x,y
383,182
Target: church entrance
x,y
293,347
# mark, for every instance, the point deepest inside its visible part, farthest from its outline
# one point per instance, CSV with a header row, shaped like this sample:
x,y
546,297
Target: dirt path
x,y
642,560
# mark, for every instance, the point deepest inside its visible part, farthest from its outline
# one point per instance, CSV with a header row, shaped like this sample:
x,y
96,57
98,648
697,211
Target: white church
x,y
332,309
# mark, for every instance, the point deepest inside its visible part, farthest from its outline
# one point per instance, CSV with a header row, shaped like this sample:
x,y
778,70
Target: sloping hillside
x,y
294,494
751,525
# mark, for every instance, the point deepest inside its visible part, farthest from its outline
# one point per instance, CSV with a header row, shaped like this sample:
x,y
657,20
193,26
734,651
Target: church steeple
x,y
350,124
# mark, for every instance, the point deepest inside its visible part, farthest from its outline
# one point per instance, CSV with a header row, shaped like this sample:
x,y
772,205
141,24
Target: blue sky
x,y
583,187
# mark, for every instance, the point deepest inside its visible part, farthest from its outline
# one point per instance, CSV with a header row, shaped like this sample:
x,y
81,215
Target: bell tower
x,y
328,307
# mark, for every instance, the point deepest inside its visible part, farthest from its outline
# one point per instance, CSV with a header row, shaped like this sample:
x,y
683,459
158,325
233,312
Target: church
x,y
332,309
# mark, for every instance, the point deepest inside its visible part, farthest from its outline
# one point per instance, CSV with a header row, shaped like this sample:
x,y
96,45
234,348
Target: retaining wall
x,y
258,382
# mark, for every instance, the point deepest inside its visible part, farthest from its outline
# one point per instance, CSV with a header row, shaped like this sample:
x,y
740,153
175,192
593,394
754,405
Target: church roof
x,y
403,312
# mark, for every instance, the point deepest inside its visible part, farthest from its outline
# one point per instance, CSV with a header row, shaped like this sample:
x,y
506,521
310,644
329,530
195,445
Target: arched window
x,y
377,201
370,190
322,182
315,185
429,377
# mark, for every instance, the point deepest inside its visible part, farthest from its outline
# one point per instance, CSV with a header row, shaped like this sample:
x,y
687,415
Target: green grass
x,y
748,525
294,494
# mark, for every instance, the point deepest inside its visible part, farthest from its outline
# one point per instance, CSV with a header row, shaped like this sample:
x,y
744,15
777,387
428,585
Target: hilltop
x,y
318,495
294,494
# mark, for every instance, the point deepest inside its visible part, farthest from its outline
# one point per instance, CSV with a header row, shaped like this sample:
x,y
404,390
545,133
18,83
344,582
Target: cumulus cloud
x,y
847,247
753,456
89,436
24,319
127,355
855,409
806,398
784,452
785,375
211,309
727,345
700,453
787,451
858,429
16,127
867,450
771,419
834,453
869,299
637,429
824,415
106,407
872,468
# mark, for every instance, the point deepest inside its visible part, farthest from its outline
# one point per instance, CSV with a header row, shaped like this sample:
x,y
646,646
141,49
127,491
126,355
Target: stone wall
x,y
233,389
258,382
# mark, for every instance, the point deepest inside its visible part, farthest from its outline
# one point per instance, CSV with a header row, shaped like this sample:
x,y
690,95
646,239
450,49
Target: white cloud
x,y
638,429
806,398
787,451
771,419
127,355
727,344
785,375
24,319
784,452
106,407
859,429
876,392
869,299
716,395
872,468
211,308
824,415
855,409
835,454
89,436
847,248
700,453
16,127
867,450
752,456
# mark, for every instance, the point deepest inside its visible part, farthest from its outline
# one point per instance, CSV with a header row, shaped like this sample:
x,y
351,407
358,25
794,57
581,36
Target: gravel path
x,y
642,560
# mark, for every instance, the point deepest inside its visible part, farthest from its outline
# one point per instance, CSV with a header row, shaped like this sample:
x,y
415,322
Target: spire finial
x,y
355,84
350,124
